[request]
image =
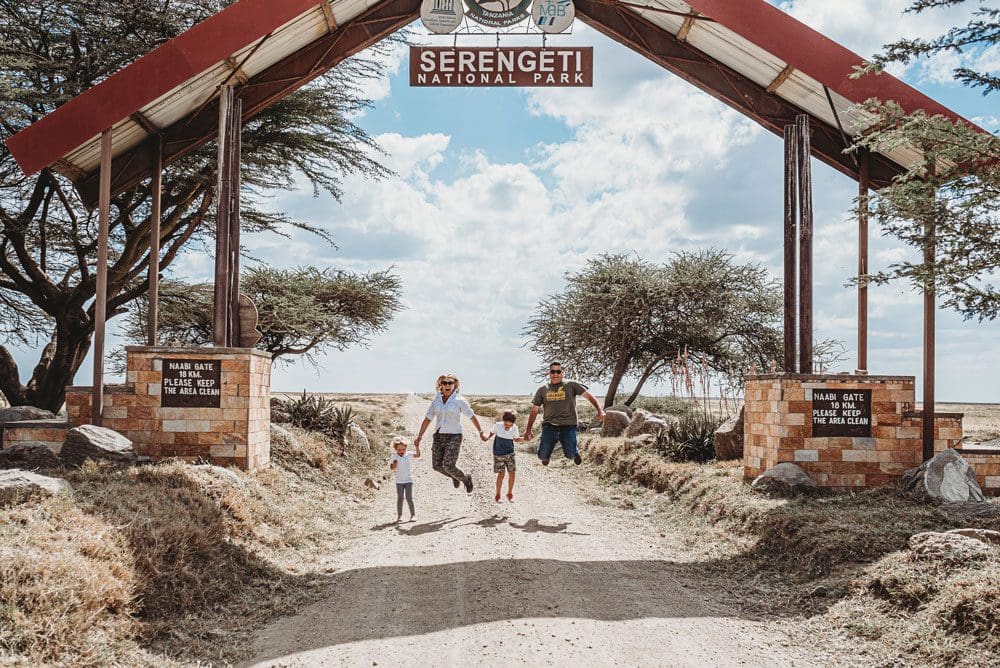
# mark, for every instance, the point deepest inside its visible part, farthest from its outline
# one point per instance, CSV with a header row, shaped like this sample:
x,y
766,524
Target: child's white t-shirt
x,y
502,432
404,466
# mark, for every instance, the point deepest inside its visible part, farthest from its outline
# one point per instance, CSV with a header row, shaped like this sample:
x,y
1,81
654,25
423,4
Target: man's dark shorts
x,y
552,435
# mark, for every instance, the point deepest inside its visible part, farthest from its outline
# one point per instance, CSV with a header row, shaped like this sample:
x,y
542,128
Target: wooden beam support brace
x,y
686,27
331,23
780,79
101,295
143,121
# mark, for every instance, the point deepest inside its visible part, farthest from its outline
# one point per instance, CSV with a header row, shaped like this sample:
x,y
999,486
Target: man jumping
x,y
559,423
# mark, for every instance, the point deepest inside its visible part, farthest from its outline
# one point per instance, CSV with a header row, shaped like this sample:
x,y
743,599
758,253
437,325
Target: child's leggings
x,y
401,489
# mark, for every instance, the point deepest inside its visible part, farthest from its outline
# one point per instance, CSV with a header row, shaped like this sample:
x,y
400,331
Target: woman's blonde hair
x,y
444,376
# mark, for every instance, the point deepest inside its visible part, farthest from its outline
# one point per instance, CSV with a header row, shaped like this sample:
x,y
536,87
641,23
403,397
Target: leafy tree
x,y
947,204
51,51
622,316
955,192
301,311
980,33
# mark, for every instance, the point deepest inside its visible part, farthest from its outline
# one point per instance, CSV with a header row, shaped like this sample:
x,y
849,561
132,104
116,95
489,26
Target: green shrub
x,y
665,405
690,439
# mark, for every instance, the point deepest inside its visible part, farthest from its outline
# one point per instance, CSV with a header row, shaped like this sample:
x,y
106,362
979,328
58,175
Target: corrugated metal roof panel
x,y
283,42
345,10
125,134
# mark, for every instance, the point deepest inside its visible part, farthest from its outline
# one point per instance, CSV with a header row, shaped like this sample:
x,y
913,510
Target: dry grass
x,y
841,559
176,563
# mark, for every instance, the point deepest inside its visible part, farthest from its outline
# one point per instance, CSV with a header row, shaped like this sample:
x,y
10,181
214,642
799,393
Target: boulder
x,y
356,438
18,486
950,547
219,473
945,477
621,408
29,455
22,413
729,438
282,438
615,423
653,424
96,443
638,419
784,479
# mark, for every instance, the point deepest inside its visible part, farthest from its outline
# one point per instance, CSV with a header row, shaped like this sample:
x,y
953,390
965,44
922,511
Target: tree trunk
x,y
57,366
647,372
616,378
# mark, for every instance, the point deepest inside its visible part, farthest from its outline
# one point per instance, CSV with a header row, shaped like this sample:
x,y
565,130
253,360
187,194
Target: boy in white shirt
x,y
402,463
505,435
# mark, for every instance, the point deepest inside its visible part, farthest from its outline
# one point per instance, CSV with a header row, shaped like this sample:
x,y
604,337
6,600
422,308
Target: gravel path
x,y
546,580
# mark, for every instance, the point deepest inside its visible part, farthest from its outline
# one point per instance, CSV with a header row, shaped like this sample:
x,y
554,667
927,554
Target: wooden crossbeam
x,y
686,27
331,23
143,121
68,169
241,76
780,79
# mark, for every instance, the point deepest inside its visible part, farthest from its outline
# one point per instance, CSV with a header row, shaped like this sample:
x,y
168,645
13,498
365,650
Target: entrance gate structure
x,y
204,83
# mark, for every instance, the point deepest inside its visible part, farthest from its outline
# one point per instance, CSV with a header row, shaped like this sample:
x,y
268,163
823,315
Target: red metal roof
x,y
746,53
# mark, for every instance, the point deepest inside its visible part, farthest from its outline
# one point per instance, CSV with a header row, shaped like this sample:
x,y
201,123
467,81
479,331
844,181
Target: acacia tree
x,y
51,51
621,316
948,204
301,311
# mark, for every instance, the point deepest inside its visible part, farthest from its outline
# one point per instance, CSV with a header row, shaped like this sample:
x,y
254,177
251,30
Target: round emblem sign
x,y
553,16
498,13
441,16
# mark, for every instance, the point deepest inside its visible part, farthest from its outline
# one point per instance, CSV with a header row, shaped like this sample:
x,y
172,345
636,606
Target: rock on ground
x,y
356,438
945,477
639,418
950,547
283,438
784,479
22,413
29,455
97,443
653,424
622,408
985,535
729,438
641,441
615,423
18,486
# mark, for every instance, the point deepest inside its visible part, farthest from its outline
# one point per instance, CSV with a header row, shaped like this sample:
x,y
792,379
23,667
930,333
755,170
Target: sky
x,y
498,193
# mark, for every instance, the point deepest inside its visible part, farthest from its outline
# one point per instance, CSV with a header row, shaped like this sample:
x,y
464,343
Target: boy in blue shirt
x,y
505,435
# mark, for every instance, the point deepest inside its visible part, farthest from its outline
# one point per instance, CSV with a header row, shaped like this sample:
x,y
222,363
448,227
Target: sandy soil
x,y
546,580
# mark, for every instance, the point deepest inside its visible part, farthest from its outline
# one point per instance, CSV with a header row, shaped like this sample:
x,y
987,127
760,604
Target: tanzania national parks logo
x,y
498,13
441,16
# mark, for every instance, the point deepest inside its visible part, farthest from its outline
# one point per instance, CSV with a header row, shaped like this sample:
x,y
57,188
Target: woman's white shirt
x,y
449,414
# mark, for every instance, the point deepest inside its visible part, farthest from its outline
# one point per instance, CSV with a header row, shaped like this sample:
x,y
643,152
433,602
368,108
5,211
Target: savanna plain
x,y
629,559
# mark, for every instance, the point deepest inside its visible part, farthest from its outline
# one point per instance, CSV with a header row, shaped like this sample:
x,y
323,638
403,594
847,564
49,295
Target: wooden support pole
x,y
154,244
220,320
930,290
790,274
864,172
101,296
805,246
235,129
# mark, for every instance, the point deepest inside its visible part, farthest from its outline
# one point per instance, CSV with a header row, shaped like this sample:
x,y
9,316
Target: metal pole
x,y
236,129
930,251
154,243
805,246
790,276
220,318
864,171
101,296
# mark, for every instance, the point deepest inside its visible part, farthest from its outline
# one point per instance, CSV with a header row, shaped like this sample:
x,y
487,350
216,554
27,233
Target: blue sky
x,y
500,192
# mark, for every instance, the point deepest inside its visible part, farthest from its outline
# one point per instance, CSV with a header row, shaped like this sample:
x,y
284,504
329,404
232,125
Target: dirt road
x,y
546,580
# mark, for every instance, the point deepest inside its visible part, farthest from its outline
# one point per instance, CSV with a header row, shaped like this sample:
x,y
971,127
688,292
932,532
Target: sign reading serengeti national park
x,y
501,66
842,413
191,384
